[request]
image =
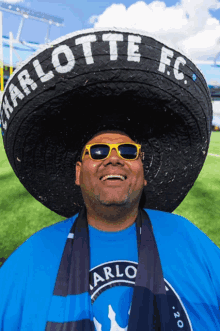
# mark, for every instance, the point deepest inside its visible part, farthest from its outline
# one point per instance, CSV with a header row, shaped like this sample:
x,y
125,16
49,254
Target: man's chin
x,y
111,204
116,203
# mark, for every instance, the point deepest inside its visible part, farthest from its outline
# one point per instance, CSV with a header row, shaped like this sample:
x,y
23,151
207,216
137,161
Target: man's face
x,y
110,192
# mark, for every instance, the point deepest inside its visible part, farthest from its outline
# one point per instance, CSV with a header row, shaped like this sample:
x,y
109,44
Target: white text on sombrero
x,y
165,60
27,84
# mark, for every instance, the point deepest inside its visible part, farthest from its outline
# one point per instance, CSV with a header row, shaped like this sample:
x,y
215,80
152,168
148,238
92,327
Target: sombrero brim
x,y
100,79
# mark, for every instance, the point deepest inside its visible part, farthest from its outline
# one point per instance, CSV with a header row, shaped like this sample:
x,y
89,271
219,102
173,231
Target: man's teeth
x,y
113,176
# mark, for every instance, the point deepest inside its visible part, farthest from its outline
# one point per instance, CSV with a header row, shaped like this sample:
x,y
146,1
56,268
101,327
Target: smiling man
x,y
112,135
111,187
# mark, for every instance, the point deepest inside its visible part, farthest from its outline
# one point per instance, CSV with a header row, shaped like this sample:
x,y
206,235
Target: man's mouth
x,y
113,177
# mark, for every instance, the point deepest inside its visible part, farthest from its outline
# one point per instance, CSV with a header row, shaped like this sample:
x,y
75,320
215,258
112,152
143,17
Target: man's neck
x,y
111,219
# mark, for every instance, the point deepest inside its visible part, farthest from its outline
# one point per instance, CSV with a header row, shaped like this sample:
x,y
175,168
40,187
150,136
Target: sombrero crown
x,y
99,79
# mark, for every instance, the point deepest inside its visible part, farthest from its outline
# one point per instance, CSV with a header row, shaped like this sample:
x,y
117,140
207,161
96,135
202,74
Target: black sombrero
x,y
106,79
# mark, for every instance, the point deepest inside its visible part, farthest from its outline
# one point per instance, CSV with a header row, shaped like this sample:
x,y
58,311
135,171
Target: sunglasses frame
x,y
87,149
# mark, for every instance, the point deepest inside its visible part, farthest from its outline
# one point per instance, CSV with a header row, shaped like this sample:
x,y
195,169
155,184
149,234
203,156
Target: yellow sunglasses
x,y
127,151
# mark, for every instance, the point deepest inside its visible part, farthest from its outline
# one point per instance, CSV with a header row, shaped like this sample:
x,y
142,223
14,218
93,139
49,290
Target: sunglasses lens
x,y
128,151
99,152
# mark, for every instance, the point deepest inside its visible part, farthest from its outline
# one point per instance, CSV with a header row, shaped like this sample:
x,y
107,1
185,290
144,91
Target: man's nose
x,y
114,157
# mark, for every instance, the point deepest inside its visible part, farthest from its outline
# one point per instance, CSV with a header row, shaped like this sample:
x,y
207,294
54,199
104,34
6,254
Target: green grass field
x,y
22,215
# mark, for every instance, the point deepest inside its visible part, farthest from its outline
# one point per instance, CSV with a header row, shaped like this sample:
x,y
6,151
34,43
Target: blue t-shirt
x,y
190,263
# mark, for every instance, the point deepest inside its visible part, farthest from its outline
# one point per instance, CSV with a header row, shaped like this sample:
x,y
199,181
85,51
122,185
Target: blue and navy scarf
x,y
149,309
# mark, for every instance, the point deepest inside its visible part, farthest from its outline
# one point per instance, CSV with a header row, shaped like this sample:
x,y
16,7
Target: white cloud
x,y
189,24
13,1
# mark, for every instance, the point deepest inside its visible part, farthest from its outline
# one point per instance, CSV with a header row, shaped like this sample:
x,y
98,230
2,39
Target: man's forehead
x,y
110,135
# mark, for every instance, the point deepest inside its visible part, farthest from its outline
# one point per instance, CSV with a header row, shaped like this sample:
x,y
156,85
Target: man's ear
x,y
78,171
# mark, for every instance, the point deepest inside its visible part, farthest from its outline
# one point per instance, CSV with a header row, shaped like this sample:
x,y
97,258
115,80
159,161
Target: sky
x,y
191,25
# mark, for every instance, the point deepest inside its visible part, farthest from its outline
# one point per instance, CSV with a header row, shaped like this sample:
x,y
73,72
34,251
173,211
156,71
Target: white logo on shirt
x,y
111,274
114,324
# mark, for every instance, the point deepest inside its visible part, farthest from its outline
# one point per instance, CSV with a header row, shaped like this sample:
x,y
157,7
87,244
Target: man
x,y
121,260
112,187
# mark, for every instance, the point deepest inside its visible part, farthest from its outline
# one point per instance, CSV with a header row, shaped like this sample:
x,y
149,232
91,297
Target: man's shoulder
x,y
54,231
161,215
49,239
59,228
165,221
171,225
